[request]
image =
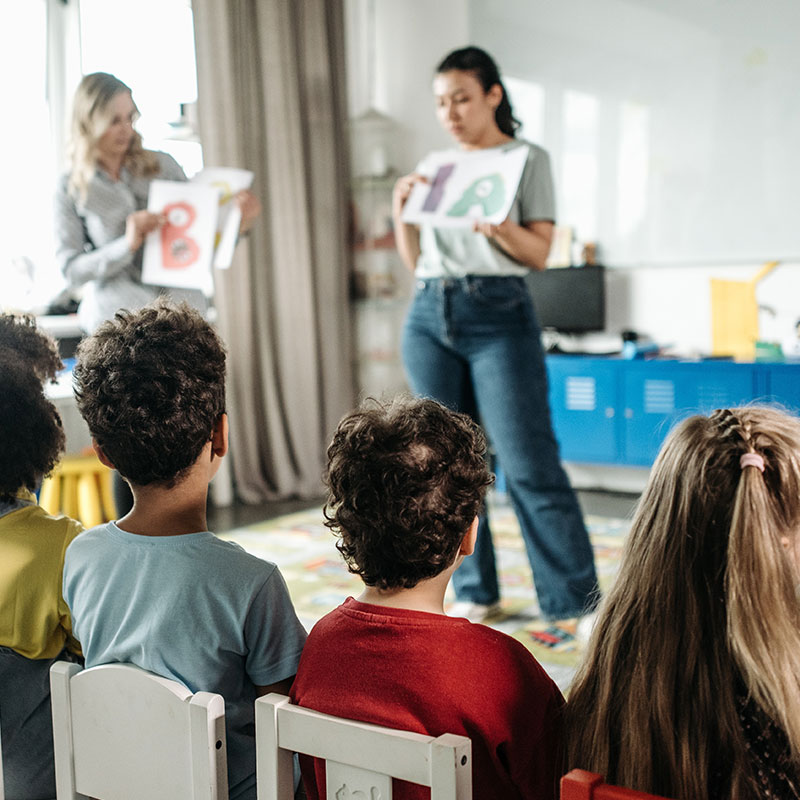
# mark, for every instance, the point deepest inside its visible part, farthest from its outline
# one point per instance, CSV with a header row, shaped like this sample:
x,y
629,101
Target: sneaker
x,y
474,612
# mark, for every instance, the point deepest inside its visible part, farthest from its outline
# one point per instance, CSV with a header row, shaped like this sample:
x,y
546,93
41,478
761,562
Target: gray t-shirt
x,y
91,249
456,252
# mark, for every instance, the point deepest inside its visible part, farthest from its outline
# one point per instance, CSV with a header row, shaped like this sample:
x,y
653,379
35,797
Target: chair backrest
x,y
360,758
582,785
121,733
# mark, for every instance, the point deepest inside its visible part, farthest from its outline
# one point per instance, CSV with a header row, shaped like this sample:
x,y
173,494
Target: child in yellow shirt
x,y
35,625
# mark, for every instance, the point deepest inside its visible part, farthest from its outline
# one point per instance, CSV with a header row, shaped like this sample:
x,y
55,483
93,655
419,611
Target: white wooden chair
x,y
121,733
361,759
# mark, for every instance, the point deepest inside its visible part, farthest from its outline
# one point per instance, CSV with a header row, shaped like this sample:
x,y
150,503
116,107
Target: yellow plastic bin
x,y
734,315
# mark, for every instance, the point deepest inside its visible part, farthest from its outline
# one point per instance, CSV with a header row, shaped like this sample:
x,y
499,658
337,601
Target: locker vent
x,y
581,393
659,397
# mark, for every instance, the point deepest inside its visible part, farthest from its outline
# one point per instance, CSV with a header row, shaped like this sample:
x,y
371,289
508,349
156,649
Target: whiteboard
x,y
673,125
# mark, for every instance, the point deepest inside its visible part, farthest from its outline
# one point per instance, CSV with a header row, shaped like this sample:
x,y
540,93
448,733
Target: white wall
x,y
672,124
410,38
671,304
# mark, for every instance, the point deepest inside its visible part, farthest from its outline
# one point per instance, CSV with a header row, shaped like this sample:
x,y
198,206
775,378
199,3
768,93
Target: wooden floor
x,y
221,520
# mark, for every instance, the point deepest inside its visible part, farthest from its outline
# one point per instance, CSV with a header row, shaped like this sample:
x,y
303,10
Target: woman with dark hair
x,y
471,341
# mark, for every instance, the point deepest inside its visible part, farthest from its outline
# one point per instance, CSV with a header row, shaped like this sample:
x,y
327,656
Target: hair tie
x,y
752,460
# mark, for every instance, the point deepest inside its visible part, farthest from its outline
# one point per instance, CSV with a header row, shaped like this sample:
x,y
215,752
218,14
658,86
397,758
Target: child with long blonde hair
x,y
691,686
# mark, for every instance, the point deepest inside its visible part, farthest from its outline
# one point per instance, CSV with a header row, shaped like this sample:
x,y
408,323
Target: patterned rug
x,y
318,580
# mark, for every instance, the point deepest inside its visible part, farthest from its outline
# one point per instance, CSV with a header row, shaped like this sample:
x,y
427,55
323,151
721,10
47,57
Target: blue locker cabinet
x,y
657,394
614,411
584,403
783,385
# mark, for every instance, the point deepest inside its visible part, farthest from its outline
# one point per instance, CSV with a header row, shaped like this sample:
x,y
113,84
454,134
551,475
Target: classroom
x,y
609,353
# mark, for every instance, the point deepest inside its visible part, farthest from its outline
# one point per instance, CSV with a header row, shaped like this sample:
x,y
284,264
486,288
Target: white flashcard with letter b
x,y
180,253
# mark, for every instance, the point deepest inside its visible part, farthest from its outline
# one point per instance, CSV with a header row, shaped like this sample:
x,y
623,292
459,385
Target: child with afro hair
x,y
35,623
156,588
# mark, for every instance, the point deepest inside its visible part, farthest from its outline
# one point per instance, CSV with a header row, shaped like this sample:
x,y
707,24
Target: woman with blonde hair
x,y
691,685
101,216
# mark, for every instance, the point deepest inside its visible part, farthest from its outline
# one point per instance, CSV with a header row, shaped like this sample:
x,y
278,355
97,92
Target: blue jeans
x,y
474,345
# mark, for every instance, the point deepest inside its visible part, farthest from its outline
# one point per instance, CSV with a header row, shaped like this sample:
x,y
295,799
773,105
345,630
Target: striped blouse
x,y
91,249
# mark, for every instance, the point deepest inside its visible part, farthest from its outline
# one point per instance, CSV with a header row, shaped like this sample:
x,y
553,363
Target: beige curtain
x,y
271,99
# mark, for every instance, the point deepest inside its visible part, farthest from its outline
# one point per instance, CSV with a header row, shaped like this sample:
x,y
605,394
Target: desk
x,y
617,411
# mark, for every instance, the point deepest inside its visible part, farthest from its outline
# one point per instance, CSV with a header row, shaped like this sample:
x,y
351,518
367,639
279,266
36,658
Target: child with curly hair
x,y
35,624
156,588
405,484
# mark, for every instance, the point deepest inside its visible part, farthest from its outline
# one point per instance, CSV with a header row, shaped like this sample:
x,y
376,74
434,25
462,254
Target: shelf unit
x,y
381,289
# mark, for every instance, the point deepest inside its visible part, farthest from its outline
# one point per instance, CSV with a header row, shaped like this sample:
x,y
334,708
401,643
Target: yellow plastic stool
x,y
80,487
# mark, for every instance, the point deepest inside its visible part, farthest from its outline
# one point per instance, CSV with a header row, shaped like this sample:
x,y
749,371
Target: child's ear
x,y
101,455
495,95
219,437
468,542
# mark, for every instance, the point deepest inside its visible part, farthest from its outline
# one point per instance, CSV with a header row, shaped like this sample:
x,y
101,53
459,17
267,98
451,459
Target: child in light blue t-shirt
x,y
156,588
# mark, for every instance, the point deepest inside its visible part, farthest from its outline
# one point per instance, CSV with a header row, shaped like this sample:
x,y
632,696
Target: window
x,y
46,45
27,158
164,81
